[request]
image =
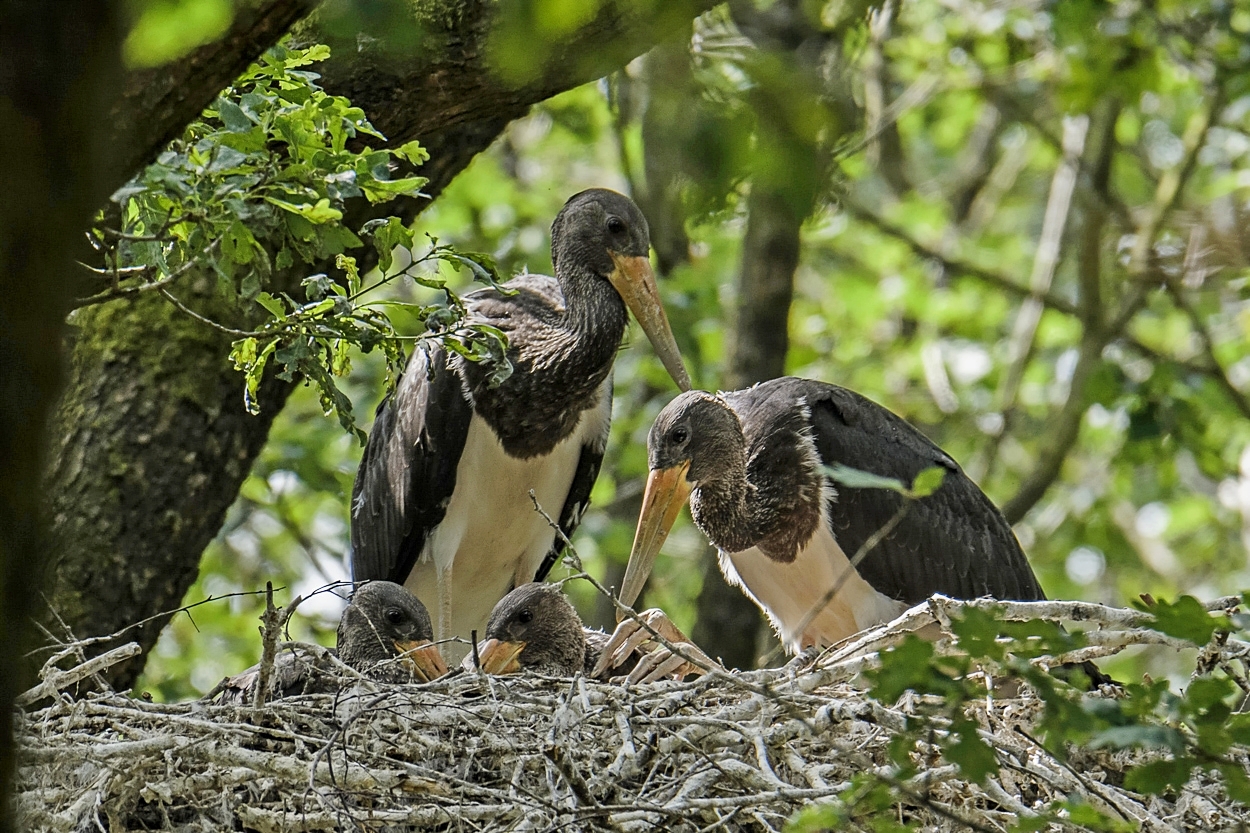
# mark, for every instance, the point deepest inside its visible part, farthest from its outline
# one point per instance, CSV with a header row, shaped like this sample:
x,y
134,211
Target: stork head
x,y
696,439
385,622
603,233
534,628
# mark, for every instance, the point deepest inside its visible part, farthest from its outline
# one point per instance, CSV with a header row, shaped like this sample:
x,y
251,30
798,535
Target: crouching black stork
x,y
442,500
753,465
385,634
536,629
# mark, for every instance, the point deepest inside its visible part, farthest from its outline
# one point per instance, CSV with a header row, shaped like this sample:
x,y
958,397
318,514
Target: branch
x,y
1045,262
157,103
150,286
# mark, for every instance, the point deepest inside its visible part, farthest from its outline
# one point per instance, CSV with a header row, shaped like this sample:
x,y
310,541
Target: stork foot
x,y
658,661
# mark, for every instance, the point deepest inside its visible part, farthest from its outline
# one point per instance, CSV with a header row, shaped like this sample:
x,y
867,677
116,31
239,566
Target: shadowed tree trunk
x,y
57,70
150,441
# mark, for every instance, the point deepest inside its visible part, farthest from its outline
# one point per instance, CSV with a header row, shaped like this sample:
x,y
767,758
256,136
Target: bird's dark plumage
x,y
441,500
754,464
385,634
534,628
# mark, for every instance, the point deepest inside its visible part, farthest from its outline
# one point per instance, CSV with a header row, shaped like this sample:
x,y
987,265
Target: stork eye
x,y
616,225
394,615
525,616
679,435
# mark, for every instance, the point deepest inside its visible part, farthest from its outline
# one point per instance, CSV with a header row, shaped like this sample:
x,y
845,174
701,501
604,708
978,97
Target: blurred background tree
x,y
1019,225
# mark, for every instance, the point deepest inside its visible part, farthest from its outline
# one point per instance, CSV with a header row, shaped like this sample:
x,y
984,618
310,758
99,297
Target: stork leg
x,y
442,580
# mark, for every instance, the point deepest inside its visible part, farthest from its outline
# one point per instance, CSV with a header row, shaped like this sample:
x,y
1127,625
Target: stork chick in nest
x,y
385,634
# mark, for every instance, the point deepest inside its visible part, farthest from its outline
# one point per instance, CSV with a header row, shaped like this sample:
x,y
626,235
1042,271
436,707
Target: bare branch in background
x,y
885,148
1045,262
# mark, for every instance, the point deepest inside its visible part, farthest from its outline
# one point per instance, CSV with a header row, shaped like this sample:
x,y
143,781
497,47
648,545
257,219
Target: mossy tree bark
x,y
150,441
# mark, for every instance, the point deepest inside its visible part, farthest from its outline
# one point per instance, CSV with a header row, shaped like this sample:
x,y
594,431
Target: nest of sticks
x,y
476,753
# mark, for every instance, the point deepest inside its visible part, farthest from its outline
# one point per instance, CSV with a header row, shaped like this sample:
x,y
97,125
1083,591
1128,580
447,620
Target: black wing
x,y
579,490
408,470
954,541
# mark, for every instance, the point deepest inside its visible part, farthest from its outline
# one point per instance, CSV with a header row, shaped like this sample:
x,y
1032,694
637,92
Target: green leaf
x,y
815,818
249,287
482,265
857,479
1237,782
904,667
381,190
412,152
928,481
1150,737
274,305
238,244
1158,777
1185,619
974,756
233,117
1090,818
387,234
319,213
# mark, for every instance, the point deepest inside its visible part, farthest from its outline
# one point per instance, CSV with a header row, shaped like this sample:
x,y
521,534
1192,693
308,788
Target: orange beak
x,y
423,658
635,281
500,657
666,493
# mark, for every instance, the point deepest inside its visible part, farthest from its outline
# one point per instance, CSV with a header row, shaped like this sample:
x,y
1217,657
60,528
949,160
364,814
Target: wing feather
x,y
954,541
408,470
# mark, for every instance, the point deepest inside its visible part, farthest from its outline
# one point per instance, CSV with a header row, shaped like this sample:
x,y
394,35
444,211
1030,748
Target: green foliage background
x,y
914,270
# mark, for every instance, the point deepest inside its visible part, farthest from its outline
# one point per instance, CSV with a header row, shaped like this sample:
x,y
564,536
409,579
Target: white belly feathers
x,y
788,592
491,538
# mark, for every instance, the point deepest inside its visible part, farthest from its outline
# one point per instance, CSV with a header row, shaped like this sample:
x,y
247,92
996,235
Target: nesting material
x,y
478,753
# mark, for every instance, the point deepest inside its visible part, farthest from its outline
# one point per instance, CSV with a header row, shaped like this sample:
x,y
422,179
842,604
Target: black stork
x,y
385,634
442,500
752,464
536,629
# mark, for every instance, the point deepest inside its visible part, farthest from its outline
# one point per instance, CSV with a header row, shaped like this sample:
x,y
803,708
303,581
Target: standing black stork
x,y
753,465
442,501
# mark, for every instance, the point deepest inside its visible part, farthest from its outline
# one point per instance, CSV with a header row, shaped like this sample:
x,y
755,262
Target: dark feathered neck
x,y
766,496
560,361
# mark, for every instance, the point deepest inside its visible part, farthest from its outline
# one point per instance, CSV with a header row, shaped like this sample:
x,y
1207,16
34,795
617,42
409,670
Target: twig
x,y
210,322
125,291
58,680
271,622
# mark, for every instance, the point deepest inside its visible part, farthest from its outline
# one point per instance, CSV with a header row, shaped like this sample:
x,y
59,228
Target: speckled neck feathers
x,y
563,341
767,494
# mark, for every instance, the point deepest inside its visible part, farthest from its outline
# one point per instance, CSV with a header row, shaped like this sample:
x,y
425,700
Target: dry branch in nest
x,y
472,753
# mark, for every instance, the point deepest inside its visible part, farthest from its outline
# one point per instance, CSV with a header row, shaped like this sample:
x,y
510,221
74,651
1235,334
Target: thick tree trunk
x,y
151,439
57,68
729,624
791,169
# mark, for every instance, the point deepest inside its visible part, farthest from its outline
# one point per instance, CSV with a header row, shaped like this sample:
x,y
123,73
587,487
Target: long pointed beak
x,y
667,492
424,657
500,657
635,280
